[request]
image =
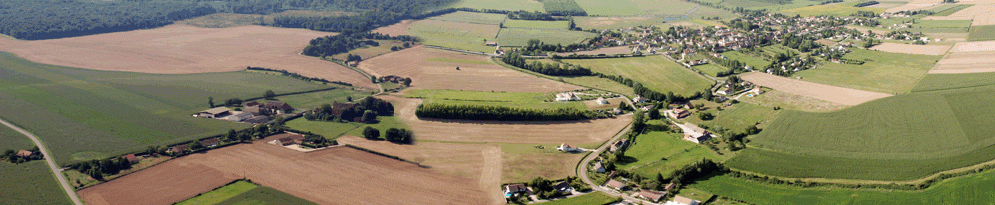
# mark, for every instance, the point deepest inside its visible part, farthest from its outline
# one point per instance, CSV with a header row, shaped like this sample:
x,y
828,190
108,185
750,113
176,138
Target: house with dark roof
x,y
131,158
599,167
254,110
217,112
619,145
179,149
562,187
653,196
209,142
251,103
277,107
680,113
615,184
287,139
514,189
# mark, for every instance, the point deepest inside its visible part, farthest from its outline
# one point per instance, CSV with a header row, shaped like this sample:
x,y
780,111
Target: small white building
x,y
639,99
602,101
567,148
566,97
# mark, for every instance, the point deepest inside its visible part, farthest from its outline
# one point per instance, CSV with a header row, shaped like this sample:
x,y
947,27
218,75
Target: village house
x,y
567,148
277,107
618,145
217,112
653,196
696,134
563,186
599,167
209,142
639,99
23,153
602,101
179,149
757,90
615,184
287,138
514,189
647,108
680,200
131,158
679,113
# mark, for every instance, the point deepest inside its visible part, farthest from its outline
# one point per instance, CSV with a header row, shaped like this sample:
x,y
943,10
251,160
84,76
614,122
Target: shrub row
x,y
483,112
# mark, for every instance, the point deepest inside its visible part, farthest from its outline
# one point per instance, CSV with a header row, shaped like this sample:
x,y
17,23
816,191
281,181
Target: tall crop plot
x,y
30,183
563,8
982,33
87,114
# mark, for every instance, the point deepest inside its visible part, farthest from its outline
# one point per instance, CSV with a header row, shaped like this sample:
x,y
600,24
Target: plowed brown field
x,y
178,49
333,176
436,69
571,132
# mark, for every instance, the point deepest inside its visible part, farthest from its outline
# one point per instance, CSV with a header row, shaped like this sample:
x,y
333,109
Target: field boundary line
x,y
70,192
458,50
493,59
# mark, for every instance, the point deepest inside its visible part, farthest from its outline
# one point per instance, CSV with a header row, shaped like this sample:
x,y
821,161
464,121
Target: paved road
x,y
51,162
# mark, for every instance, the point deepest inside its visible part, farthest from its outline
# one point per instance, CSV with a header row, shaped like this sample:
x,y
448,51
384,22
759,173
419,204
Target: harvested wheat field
x,y
981,14
974,46
915,5
396,29
480,162
436,69
571,132
829,93
966,62
338,175
178,49
912,49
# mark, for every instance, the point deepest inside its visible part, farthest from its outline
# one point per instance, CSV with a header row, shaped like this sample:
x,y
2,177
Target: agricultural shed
x,y
23,153
215,112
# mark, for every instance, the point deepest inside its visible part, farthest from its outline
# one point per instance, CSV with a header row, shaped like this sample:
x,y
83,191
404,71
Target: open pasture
x,y
182,49
654,72
912,49
838,9
610,7
30,183
966,62
536,24
436,69
615,22
914,5
221,193
370,51
673,154
88,114
397,29
600,83
510,5
882,71
472,17
517,37
671,8
14,140
939,26
527,163
465,36
264,195
948,9
737,118
573,132
974,189
935,82
776,98
753,62
283,169
590,198
898,138
829,93
772,5
506,99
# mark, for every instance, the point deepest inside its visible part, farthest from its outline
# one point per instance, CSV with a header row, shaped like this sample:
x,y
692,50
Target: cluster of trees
x,y
554,69
801,43
866,3
530,15
695,170
97,168
543,188
342,43
11,156
399,136
638,88
868,14
870,42
298,76
35,20
366,110
375,14
536,47
499,113
830,2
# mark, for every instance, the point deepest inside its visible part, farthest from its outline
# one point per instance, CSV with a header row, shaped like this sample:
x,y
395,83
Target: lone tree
x,y
210,101
706,116
269,95
371,133
406,82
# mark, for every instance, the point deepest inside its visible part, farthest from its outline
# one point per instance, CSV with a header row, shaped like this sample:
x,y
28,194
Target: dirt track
x,y
829,93
572,132
436,69
333,176
912,49
178,49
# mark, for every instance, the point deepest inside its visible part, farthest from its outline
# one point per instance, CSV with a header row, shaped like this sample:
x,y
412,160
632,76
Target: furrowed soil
x,y
179,49
338,175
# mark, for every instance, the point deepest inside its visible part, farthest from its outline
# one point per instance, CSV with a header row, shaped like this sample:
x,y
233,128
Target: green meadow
x,y
87,114
838,9
511,5
264,195
472,17
465,36
220,194
882,71
737,118
516,37
654,72
536,24
593,198
13,140
982,33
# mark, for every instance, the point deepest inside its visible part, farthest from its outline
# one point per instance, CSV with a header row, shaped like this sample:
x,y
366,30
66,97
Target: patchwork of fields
x,y
882,71
838,9
654,72
466,36
521,36
898,138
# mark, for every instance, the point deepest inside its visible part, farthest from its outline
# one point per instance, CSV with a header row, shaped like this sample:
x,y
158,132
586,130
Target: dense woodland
x,y
378,13
331,45
48,19
496,113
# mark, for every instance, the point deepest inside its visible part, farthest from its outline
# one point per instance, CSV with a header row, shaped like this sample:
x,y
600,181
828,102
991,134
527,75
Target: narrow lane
x,y
51,162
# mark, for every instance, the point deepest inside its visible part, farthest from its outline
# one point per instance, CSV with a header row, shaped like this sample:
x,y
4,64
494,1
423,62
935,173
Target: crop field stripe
x,y
982,33
30,183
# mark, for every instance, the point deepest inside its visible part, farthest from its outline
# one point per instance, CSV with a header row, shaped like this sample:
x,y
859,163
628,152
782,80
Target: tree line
x,y
648,93
36,20
498,113
554,69
377,13
342,43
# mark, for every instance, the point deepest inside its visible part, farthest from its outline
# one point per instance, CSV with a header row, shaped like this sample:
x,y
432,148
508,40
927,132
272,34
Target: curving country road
x,y
51,162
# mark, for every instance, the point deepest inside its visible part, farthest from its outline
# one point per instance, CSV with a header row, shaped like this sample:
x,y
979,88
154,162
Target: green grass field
x,y
982,33
904,137
516,37
710,69
610,7
839,9
946,10
368,52
472,17
754,62
465,36
536,24
940,26
220,194
767,4
593,198
973,189
30,183
561,6
654,147
600,83
87,114
883,71
936,82
655,7
737,118
13,140
511,5
507,99
655,72
264,195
